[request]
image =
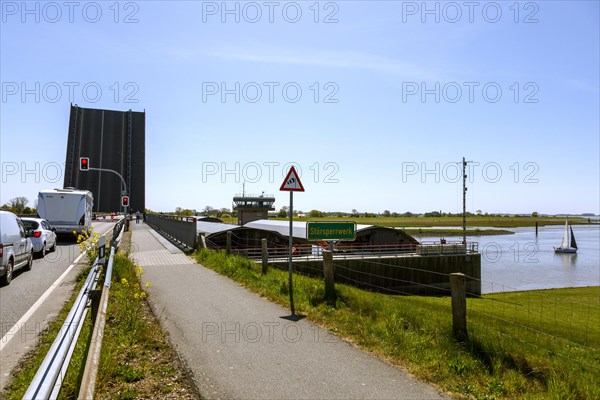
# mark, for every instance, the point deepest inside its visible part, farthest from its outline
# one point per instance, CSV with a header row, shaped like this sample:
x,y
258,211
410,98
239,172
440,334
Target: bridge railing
x,y
180,229
353,250
48,379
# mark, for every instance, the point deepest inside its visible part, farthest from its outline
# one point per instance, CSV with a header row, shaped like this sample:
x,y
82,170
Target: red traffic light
x,y
125,201
84,164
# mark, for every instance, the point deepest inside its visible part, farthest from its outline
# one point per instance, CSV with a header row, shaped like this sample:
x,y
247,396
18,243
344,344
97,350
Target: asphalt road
x,y
239,345
26,288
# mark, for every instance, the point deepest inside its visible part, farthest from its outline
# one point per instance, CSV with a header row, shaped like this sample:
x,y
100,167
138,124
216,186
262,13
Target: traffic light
x,y
125,201
84,164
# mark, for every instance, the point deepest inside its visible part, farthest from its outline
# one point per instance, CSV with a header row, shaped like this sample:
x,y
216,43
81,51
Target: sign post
x,y
291,184
101,249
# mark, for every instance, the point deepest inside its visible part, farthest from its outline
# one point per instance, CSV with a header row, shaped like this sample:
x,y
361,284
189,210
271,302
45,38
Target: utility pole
x,y
464,169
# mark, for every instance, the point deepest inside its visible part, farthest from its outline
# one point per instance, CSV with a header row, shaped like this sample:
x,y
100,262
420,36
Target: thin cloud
x,y
582,86
347,60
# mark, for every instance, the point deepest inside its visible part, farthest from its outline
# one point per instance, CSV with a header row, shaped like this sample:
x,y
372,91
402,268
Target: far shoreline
x,y
456,232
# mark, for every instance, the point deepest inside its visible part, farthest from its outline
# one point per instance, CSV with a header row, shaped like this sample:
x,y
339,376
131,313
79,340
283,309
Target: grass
x,y
136,358
532,345
479,220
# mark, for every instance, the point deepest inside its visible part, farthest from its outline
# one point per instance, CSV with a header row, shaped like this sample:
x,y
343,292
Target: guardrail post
x,y
94,296
228,247
459,306
265,255
329,276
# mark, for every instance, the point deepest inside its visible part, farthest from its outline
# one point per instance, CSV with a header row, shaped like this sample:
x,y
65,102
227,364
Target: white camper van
x,y
67,210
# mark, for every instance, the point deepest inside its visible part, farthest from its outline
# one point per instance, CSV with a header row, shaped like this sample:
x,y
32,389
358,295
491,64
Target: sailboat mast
x,y
565,241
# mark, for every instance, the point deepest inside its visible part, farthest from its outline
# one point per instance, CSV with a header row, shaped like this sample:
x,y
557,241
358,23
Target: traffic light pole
x,y
125,192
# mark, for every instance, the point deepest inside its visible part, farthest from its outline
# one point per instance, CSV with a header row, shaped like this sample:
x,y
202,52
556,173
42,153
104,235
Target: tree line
x,y
18,205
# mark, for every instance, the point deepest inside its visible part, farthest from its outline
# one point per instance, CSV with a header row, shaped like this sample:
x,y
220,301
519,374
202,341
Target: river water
x,y
524,261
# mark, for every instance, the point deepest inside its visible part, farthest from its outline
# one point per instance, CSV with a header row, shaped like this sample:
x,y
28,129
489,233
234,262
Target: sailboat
x,y
565,246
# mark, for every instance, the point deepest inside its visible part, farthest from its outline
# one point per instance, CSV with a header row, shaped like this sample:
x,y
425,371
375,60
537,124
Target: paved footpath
x,y
241,346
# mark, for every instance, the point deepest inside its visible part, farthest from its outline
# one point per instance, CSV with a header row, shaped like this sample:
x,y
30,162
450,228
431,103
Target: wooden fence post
x,y
228,245
459,306
265,255
328,274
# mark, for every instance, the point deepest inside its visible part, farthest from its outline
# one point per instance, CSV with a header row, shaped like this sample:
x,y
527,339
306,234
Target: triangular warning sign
x,y
292,183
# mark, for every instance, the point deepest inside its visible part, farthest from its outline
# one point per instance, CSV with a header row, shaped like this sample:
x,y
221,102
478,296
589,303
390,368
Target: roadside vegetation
x,y
137,360
555,355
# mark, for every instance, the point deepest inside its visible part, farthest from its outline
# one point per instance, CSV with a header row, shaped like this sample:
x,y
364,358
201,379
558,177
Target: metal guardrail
x,y
49,375
117,233
180,229
48,379
90,372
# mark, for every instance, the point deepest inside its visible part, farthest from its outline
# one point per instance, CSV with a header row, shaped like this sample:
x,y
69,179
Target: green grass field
x,y
479,221
527,345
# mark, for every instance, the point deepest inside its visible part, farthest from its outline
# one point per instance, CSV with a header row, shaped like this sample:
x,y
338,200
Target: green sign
x,y
330,230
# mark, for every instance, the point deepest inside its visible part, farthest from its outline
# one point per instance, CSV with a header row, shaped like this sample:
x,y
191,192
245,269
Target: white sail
x,y
567,247
565,242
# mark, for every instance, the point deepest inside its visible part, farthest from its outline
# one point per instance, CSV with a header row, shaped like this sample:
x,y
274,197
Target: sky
x,y
374,103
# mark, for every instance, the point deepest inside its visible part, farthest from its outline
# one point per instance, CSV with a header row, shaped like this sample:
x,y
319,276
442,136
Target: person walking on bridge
x,y
137,217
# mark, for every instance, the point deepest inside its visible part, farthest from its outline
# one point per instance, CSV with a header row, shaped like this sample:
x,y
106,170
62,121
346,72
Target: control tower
x,y
252,207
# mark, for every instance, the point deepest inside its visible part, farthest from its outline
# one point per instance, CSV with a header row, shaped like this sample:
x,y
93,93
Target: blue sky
x,y
374,102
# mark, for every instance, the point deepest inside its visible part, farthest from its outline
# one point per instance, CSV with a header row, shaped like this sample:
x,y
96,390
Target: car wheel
x,y
29,262
5,280
53,248
43,250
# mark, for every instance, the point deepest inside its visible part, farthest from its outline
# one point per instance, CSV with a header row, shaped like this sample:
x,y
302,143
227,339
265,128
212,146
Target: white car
x,y
16,250
43,238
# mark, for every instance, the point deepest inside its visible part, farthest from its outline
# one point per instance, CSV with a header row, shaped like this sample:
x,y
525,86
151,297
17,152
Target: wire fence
x,y
532,317
550,326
